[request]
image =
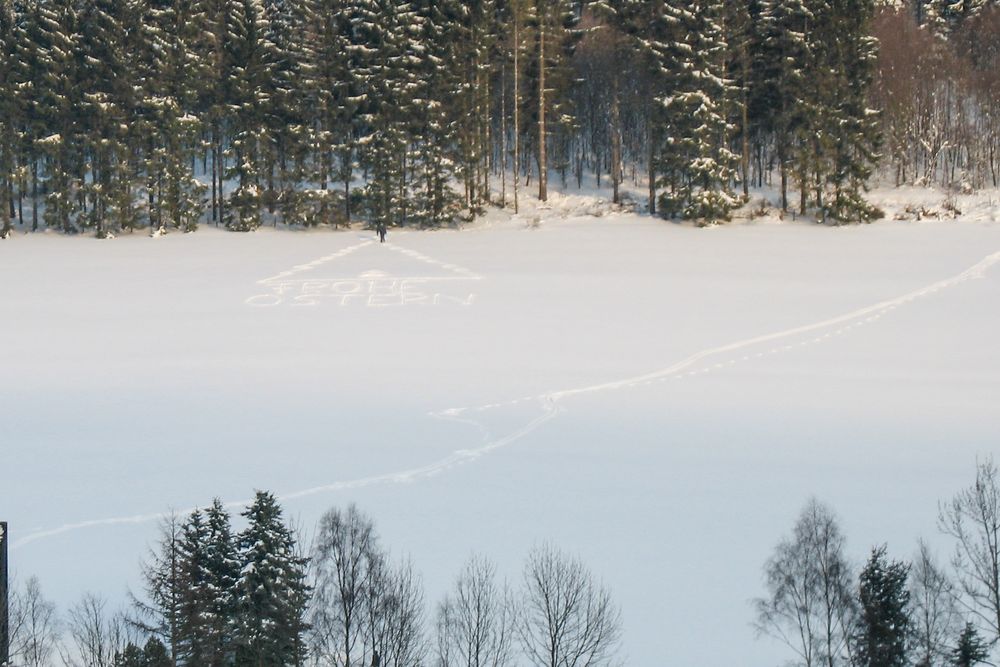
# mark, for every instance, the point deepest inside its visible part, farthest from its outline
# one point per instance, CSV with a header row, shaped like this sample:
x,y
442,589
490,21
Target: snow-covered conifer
x,y
272,592
171,72
106,44
696,164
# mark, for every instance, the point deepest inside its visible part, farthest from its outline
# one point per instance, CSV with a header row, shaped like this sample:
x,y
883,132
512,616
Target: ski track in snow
x,y
550,401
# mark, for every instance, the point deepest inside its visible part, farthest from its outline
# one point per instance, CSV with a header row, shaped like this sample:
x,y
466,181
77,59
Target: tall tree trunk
x,y
503,134
745,162
616,143
652,165
517,105
34,194
543,167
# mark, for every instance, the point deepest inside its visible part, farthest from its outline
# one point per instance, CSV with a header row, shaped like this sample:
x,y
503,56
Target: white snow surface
x,y
659,399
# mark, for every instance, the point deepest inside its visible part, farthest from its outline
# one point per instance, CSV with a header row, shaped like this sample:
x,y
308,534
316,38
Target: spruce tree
x,y
222,572
389,82
472,32
171,72
332,59
783,52
883,627
59,143
248,48
155,654
189,646
971,649
284,138
698,167
653,33
436,110
107,42
213,95
855,133
27,66
272,591
130,656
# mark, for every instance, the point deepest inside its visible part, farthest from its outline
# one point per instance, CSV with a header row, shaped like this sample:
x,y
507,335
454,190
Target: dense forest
x,y
121,114
214,596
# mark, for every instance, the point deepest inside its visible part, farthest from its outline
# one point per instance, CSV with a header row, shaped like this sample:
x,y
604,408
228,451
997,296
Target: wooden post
x,y
4,607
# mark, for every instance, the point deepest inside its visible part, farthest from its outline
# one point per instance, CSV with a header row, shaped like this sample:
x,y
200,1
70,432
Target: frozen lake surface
x,y
658,399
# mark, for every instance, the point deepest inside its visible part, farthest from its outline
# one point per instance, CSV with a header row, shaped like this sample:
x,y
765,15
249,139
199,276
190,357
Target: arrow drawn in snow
x,y
549,401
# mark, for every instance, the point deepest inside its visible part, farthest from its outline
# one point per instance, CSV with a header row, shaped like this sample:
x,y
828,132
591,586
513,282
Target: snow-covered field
x,y
659,399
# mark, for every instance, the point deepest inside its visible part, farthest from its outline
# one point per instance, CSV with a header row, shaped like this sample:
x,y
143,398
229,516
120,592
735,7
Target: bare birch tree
x,y
342,559
34,627
972,518
809,606
935,617
364,610
97,638
476,621
394,611
567,619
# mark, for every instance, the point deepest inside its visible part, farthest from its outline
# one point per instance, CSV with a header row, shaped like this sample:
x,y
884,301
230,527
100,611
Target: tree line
x,y
217,598
892,613
118,114
254,598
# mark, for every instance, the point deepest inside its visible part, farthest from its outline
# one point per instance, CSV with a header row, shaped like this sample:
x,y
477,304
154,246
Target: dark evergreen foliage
x,y
116,114
883,627
272,593
971,649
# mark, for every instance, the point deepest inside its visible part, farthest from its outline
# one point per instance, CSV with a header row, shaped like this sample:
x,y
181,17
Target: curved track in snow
x,y
549,402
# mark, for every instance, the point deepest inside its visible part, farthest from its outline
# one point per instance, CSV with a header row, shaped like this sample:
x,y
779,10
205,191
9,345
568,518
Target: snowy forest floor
x,y
658,399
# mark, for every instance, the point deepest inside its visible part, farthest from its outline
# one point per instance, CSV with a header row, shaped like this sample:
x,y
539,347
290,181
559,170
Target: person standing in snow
x,y
381,233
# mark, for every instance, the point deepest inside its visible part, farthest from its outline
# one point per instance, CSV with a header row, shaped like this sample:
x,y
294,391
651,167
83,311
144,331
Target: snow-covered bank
x,y
658,398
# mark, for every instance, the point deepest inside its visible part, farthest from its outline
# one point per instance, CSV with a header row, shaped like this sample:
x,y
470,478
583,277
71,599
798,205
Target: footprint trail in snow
x,y
550,402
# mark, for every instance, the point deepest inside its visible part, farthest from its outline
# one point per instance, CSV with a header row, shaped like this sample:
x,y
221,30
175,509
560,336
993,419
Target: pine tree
x,y
883,627
272,592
